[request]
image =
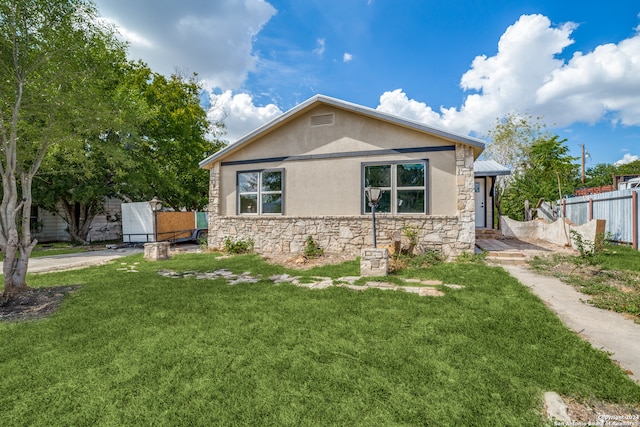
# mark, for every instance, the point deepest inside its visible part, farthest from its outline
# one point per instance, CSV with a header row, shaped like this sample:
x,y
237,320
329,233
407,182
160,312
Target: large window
x,y
404,189
260,192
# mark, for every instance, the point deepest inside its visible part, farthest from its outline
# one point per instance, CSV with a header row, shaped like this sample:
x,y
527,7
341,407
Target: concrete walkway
x,y
77,260
605,330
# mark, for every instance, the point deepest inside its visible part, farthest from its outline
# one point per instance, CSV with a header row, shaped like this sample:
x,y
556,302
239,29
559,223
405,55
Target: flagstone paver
x,y
428,288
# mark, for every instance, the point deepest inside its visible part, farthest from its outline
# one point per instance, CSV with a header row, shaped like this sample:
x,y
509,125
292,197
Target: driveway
x,y
78,260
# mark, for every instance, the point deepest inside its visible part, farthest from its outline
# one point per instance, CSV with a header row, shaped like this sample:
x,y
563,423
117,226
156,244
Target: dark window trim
x,y
427,182
259,171
345,154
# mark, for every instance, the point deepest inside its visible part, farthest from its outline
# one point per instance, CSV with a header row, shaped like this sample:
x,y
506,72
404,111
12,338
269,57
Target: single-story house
x,y
305,174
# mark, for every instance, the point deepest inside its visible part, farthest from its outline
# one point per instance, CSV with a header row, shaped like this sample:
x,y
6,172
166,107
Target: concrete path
x,y
605,330
78,260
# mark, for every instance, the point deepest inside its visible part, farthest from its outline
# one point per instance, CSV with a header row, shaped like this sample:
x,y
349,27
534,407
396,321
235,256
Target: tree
x,y
172,142
49,50
511,139
599,175
548,172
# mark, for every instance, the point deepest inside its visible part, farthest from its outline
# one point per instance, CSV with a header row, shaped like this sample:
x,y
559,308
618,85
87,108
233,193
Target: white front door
x,y
480,202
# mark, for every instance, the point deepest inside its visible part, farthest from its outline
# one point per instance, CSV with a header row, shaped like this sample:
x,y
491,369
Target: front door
x,y
480,203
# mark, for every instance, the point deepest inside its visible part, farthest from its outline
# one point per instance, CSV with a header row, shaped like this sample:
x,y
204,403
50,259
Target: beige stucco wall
x,y
322,197
332,186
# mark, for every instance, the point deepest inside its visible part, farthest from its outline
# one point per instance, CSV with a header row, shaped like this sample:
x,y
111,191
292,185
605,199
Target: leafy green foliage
x,y
511,139
52,53
548,171
238,245
311,248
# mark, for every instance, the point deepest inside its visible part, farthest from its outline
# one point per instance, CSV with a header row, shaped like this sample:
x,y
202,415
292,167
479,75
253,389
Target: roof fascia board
x,y
477,144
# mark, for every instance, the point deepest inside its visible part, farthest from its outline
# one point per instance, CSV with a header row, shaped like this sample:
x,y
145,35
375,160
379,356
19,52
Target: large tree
x,y
548,173
152,136
172,142
511,138
50,50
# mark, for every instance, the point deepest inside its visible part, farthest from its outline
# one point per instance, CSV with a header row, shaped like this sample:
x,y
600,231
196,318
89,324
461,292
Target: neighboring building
x,y
305,173
486,172
50,227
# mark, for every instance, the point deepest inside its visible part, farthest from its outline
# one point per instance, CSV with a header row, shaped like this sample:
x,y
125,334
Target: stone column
x,y
374,262
156,251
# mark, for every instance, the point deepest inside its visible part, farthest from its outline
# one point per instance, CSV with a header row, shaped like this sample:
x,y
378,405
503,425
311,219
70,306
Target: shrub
x,y
311,249
238,246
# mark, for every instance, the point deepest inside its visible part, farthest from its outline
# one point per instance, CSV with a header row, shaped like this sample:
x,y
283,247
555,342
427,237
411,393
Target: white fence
x,y
619,208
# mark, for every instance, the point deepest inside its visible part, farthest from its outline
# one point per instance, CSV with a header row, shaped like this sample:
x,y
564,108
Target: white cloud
x,y
627,158
526,75
347,57
239,113
320,47
213,38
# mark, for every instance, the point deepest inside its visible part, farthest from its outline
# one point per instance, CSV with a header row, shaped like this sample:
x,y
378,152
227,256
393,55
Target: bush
x,y
238,246
311,249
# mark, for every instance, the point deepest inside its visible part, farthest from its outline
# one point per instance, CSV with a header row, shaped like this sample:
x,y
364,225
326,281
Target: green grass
x,y
141,349
611,278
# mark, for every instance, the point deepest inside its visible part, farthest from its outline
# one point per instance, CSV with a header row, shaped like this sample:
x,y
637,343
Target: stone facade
x,y
450,235
374,262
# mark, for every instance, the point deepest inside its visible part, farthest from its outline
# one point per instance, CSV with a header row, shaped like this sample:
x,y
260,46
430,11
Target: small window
x,y
260,192
403,187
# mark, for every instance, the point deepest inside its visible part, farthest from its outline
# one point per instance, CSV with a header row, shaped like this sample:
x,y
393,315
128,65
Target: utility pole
x,y
583,156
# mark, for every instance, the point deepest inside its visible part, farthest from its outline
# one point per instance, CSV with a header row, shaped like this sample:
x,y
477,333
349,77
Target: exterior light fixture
x,y
373,194
156,205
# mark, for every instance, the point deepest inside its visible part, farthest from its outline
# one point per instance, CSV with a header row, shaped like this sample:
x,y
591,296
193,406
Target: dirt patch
x,y
301,262
600,413
34,303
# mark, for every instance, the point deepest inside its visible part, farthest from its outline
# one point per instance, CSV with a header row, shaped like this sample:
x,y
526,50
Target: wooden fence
x,y
619,208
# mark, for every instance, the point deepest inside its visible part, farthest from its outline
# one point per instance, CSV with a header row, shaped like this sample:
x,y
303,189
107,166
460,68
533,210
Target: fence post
x,y
634,219
590,209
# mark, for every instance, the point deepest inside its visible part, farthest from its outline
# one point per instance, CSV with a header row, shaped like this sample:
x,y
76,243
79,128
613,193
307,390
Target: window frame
x,y
393,189
260,192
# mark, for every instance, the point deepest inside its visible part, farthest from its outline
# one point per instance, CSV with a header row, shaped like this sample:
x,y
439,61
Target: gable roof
x,y
475,143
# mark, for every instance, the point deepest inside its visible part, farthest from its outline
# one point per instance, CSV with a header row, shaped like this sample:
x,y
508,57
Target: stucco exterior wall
x,y
333,215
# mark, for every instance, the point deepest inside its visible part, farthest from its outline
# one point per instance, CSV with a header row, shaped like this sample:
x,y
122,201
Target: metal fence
x,y
619,209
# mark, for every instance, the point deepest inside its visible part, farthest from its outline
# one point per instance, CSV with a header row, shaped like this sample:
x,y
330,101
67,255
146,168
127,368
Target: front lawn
x,y
611,277
131,347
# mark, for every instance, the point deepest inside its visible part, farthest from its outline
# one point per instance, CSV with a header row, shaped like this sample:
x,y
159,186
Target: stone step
x,y
505,254
507,260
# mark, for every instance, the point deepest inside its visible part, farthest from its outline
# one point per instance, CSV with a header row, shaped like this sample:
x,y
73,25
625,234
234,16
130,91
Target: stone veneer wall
x,y
450,235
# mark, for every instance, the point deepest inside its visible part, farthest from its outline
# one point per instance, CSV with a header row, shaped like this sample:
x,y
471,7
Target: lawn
x,y
610,277
131,347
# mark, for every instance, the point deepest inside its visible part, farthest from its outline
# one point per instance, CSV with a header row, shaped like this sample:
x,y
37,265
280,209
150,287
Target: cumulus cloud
x,y
239,113
526,75
347,57
627,158
217,39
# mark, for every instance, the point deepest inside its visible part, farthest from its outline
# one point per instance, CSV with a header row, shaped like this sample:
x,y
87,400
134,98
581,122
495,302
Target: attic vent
x,y
322,119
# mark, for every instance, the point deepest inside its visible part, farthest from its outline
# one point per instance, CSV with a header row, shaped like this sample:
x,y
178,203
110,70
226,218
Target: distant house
x,y
49,226
305,173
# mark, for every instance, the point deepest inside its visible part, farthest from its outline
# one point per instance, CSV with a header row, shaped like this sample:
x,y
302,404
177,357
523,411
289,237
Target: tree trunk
x,y
79,218
15,269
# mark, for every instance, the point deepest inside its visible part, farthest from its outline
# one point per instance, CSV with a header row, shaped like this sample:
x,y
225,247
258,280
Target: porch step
x,y
487,233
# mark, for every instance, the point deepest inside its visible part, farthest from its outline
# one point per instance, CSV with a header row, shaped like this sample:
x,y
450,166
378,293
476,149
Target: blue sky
x,y
457,65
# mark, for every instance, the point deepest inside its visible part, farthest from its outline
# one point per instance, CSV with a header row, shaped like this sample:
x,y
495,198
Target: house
x,y
305,173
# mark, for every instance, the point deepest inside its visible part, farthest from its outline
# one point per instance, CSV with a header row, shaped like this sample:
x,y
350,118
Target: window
x,y
403,187
260,192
